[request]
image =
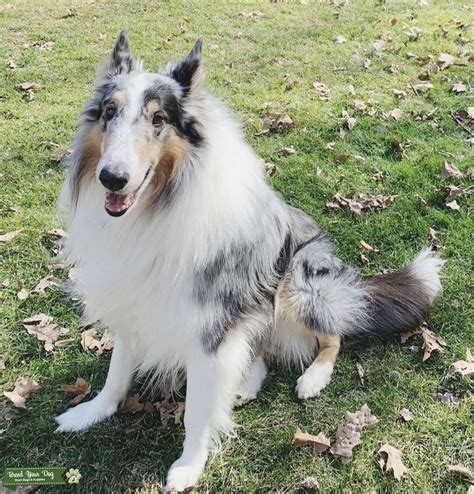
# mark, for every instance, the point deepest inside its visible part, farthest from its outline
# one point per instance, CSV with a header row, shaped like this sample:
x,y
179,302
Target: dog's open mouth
x,y
117,204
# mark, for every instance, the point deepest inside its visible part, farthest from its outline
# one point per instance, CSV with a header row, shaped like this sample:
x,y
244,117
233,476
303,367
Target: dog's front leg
x,y
106,402
201,397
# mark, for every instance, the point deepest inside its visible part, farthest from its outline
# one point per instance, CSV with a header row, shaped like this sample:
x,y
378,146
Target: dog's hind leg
x,y
106,402
317,376
251,382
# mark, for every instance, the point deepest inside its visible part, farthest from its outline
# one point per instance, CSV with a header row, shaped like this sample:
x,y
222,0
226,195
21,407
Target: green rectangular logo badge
x,y
13,477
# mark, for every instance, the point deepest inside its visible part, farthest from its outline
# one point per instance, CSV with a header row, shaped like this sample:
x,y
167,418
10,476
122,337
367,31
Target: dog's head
x,y
138,126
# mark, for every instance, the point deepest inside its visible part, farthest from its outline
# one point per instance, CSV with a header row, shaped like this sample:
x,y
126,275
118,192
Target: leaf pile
x,y
360,203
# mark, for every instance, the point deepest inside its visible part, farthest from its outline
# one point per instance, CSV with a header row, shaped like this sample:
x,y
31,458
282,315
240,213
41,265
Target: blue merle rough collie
x,y
197,265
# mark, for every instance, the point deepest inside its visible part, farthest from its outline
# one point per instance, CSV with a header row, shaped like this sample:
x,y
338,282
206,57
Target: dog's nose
x,y
113,181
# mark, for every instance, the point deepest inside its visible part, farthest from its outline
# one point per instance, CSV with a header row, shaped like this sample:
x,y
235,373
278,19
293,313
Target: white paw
x,y
243,396
84,415
314,380
183,476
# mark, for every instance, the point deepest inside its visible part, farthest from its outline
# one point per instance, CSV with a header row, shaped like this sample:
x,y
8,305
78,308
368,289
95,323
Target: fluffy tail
x,y
401,300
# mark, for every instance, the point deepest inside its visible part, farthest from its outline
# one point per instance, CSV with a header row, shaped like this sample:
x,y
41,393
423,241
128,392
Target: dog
x,y
197,265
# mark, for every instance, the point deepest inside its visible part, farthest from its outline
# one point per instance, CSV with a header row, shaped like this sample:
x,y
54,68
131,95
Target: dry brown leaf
x,y
322,89
418,85
445,61
431,341
289,151
310,484
7,237
434,234
392,460
459,87
360,105
171,411
276,122
79,389
24,386
351,90
365,247
453,205
449,170
464,367
380,176
413,33
348,434
460,469
406,414
56,232
43,45
320,442
40,289
396,114
132,404
89,342
23,294
360,203
399,93
44,329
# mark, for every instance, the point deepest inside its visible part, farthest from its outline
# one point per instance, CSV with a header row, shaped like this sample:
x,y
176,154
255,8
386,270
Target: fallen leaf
x,y
418,85
431,341
365,247
406,414
447,397
434,234
71,12
464,367
361,203
392,460
132,404
351,90
56,232
396,114
400,148
270,168
171,411
449,170
330,145
40,289
460,469
310,484
11,64
322,89
288,151
255,14
413,33
23,294
79,389
43,328
43,45
380,176
360,105
459,87
89,342
29,89
339,40
379,45
320,442
3,359
24,386
453,205
445,61
399,93
348,434
7,237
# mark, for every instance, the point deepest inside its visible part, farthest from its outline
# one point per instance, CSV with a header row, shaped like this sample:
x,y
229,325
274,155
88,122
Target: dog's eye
x,y
158,119
110,112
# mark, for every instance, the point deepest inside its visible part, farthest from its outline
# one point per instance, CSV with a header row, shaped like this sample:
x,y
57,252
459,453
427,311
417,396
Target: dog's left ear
x,y
188,72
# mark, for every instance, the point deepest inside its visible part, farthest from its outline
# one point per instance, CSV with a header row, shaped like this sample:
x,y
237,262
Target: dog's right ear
x,y
120,59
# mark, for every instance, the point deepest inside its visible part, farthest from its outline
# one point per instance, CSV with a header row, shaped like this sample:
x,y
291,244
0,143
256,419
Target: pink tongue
x,y
116,202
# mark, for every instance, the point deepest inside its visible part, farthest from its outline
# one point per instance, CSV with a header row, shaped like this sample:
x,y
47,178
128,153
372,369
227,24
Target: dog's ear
x,y
188,72
120,60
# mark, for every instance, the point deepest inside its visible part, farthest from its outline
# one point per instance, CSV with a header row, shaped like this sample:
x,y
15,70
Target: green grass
x,y
130,454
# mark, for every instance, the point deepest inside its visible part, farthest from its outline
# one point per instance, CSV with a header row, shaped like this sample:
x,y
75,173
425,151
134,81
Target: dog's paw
x,y
313,381
243,396
82,416
183,476
252,383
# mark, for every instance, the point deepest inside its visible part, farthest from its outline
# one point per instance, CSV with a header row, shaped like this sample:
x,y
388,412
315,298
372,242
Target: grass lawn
x,y
272,58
